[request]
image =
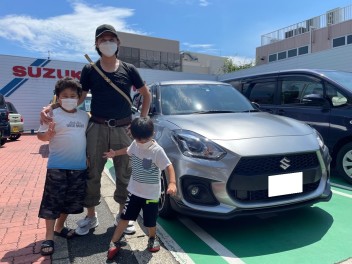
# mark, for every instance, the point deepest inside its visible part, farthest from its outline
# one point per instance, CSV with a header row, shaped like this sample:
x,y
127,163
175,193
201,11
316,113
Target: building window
x,y
272,57
303,50
349,39
337,42
292,53
281,55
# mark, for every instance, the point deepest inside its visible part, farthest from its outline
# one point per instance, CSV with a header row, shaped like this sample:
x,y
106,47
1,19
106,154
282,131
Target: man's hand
x,y
109,154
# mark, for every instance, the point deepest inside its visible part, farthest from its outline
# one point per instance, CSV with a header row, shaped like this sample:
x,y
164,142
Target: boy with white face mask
x,y
65,183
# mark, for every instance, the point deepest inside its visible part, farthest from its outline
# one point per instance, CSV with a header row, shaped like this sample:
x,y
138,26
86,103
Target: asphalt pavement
x,y
22,176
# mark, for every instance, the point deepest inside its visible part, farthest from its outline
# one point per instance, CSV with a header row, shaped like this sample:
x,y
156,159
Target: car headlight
x,y
320,139
193,145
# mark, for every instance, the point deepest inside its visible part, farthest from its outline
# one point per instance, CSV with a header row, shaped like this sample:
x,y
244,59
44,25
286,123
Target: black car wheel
x,y
344,162
165,209
14,137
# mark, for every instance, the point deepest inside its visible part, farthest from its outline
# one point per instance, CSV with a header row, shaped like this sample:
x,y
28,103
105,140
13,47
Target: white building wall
x,y
336,59
29,82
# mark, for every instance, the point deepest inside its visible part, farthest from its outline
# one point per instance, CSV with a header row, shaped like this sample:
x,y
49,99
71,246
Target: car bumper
x,y
182,208
224,203
16,128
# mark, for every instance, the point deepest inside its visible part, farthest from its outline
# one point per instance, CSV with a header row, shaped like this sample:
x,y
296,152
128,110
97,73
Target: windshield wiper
x,y
213,112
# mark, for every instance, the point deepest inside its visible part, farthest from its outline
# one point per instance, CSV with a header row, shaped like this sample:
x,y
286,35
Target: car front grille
x,y
249,180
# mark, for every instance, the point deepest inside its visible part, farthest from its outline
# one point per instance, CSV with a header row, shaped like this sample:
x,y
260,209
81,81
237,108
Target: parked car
x,y
321,98
16,121
231,159
4,121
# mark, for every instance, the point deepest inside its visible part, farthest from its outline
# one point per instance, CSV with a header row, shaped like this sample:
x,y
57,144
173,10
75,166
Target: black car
x,y
4,121
321,98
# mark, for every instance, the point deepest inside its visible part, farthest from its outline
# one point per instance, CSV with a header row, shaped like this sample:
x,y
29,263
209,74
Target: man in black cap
x,y
111,117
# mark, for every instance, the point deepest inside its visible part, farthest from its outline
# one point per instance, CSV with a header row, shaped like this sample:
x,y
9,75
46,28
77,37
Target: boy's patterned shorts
x,y
64,192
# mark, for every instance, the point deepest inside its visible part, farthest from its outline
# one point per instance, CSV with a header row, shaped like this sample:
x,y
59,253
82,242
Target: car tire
x,y
344,162
165,210
14,137
3,141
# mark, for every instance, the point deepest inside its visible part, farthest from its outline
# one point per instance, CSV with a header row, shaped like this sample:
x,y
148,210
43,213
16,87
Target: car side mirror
x,y
255,105
315,99
337,101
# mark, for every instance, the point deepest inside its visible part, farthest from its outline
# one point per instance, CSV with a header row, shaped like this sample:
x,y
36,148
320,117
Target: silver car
x,y
231,159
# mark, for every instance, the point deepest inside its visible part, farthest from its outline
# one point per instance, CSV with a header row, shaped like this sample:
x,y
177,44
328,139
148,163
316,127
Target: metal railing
x,y
334,16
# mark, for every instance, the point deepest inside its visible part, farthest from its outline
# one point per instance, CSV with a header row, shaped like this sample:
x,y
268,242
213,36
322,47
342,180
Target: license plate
x,y
15,129
285,184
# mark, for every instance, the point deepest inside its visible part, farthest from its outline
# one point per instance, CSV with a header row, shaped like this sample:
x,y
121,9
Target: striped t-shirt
x,y
147,165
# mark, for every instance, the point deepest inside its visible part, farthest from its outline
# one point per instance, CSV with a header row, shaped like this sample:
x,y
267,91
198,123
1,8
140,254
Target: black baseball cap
x,y
105,28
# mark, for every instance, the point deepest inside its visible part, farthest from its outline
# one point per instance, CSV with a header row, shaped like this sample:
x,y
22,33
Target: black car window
x,y
11,108
262,93
295,88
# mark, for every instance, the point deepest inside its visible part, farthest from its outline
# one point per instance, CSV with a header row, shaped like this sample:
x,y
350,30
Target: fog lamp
x,y
195,191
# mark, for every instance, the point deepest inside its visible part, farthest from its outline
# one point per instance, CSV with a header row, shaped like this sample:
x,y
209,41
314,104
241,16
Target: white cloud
x,y
201,48
67,37
238,60
203,3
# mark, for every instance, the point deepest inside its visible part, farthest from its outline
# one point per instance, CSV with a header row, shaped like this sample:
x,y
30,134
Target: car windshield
x,y
341,77
177,99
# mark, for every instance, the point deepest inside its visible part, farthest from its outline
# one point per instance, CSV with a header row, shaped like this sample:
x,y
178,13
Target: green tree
x,y
230,66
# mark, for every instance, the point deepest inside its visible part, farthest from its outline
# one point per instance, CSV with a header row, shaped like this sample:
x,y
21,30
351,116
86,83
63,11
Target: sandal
x,y
66,233
47,244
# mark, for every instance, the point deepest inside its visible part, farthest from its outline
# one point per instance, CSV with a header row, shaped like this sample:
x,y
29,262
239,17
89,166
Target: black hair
x,y
142,128
68,83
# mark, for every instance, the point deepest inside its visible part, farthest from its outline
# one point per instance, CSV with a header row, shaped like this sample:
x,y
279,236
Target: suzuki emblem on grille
x,y
285,163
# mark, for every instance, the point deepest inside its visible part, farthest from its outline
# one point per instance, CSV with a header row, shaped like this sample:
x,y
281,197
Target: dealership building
x,y
322,42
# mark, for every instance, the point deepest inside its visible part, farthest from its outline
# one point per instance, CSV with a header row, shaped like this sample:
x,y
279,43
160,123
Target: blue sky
x,y
230,28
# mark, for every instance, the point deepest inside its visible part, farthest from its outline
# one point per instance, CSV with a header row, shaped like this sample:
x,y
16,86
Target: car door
x,y
294,89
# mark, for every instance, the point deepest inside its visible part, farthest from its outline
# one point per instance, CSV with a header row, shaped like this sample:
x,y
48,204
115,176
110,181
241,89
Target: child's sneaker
x,y
84,225
114,248
130,229
153,244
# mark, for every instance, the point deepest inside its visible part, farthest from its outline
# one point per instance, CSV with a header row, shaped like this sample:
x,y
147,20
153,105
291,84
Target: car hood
x,y
234,126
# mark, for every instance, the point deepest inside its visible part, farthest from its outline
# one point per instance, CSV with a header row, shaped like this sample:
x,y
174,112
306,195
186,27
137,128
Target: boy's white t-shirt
x,y
147,165
67,149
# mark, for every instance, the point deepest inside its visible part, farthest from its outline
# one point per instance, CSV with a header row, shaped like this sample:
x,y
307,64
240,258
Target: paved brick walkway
x,y
22,177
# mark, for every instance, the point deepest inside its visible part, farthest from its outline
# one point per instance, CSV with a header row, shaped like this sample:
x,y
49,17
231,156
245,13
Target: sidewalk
x,y
22,176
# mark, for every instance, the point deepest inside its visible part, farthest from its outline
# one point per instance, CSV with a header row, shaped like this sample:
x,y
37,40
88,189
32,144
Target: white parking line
x,y
342,194
211,242
341,186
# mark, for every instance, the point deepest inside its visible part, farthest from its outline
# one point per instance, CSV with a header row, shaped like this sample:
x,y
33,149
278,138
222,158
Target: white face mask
x,y
108,48
69,103
145,145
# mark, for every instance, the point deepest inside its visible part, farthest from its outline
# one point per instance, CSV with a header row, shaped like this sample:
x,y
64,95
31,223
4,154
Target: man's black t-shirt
x,y
106,101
